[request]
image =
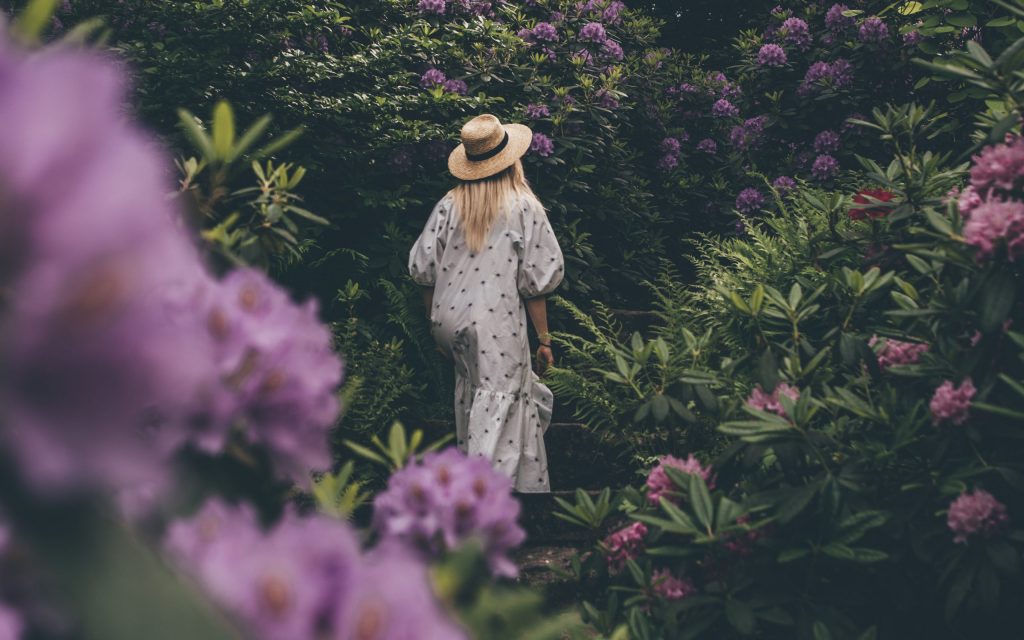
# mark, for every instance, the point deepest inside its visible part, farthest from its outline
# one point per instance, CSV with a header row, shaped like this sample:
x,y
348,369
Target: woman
x,y
486,248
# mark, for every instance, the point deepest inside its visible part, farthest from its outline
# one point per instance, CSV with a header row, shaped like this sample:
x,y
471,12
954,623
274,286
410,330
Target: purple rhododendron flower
x,y
724,109
401,160
394,600
612,49
784,184
873,30
817,72
593,32
771,55
293,581
749,200
896,352
770,401
836,21
606,99
826,142
455,86
994,222
660,484
431,78
825,167
999,166
542,145
11,624
625,544
612,14
544,32
795,32
92,253
975,513
668,162
671,145
436,505
951,403
707,145
912,38
432,6
670,587
585,56
841,72
537,111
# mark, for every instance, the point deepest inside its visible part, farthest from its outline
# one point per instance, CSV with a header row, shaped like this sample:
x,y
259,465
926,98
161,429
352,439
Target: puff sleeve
x,y
541,266
429,247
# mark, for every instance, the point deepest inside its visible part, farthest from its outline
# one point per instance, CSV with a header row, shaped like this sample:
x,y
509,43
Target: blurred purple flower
x,y
432,78
873,31
795,32
825,167
771,55
912,38
97,373
707,145
724,109
826,142
542,145
952,404
975,513
401,160
394,601
670,587
436,505
784,184
659,484
432,6
294,581
836,21
537,111
11,624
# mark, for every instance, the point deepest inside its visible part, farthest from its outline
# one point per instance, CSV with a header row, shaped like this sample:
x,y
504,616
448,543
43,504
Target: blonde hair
x,y
480,202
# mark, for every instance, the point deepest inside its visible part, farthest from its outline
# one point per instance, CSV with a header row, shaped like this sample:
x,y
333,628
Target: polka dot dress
x,y
478,316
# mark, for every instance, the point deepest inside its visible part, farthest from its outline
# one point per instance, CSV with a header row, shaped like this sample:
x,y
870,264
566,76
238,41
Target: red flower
x,y
858,213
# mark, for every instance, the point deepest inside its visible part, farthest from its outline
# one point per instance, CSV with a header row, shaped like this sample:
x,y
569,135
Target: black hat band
x,y
477,157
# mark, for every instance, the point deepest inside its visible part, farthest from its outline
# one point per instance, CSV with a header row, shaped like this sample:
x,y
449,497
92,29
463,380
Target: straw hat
x,y
488,147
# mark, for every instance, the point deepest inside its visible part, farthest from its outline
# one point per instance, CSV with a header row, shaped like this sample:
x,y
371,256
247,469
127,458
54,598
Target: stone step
x,y
539,567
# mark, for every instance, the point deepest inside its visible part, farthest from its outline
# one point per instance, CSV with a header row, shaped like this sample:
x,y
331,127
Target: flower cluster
x,y
537,111
439,503
304,578
869,199
434,77
542,145
609,12
749,134
660,484
750,200
992,202
975,513
836,21
593,32
795,31
708,146
770,401
771,55
724,109
625,544
671,588
896,352
541,32
670,148
951,404
784,184
838,74
826,142
873,31
825,167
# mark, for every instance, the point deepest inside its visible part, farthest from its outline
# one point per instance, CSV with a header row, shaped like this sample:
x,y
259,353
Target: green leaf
x,y
678,515
250,136
34,18
790,555
364,452
996,300
223,130
700,500
821,631
741,616
196,134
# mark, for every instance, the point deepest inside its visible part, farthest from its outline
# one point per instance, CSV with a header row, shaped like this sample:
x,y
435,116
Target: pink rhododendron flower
x,y
670,587
994,222
770,401
975,513
951,403
659,484
896,352
625,544
999,166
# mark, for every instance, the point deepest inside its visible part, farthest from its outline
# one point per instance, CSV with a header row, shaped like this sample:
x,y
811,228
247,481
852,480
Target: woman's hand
x,y
545,358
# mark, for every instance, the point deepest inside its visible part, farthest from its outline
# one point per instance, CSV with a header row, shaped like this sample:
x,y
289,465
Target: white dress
x,y
478,317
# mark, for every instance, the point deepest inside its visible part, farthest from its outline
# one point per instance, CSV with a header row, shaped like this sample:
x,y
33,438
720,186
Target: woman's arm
x,y
538,310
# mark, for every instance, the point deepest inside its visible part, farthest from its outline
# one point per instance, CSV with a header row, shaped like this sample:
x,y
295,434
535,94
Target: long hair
x,y
480,202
